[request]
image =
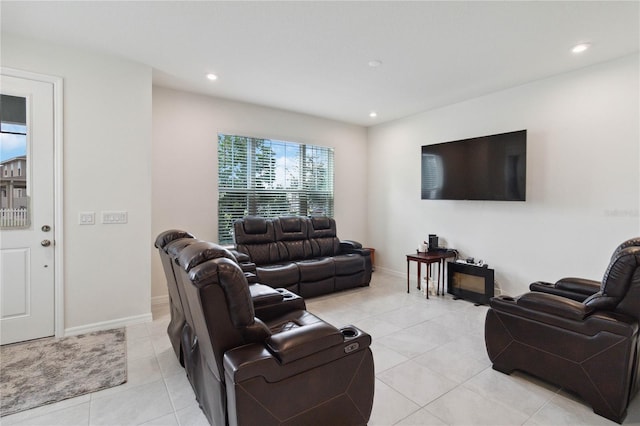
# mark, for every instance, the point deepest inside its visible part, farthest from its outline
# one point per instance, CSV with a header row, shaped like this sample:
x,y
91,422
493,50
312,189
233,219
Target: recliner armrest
x,y
257,360
574,288
299,342
248,267
564,313
579,285
348,247
555,305
264,295
350,244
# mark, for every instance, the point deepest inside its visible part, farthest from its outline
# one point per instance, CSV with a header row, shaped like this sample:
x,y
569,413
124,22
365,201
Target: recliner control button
x,y
352,347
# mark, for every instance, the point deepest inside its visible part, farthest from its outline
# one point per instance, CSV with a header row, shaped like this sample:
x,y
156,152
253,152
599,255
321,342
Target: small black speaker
x,y
433,242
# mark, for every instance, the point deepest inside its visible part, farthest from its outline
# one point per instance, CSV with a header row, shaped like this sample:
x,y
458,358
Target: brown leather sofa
x,y
302,254
588,347
292,368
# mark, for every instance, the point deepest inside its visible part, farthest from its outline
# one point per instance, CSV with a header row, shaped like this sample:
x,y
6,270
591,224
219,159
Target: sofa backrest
x,y
323,236
292,237
256,237
286,238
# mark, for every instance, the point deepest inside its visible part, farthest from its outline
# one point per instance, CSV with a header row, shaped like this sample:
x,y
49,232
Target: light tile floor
x,y
430,361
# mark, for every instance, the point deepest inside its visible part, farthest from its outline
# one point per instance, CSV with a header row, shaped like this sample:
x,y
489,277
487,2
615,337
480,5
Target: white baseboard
x,y
106,325
392,272
160,300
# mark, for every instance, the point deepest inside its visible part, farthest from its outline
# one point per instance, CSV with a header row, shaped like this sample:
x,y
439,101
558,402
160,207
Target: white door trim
x,y
58,208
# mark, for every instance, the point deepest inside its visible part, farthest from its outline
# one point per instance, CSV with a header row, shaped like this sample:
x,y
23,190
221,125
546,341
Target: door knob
x,y
45,243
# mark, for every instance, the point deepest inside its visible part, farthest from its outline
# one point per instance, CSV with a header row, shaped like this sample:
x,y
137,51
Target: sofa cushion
x,y
291,237
316,269
321,247
278,275
261,253
347,264
294,250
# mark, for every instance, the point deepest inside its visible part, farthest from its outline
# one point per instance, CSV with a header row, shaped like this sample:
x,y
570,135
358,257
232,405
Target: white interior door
x,y
26,209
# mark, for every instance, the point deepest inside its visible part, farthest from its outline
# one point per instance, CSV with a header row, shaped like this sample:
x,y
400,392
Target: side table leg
x,y
419,273
440,261
426,284
408,275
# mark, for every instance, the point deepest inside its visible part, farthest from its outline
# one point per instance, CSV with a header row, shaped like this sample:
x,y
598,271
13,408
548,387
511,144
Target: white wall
x,y
185,158
107,152
582,178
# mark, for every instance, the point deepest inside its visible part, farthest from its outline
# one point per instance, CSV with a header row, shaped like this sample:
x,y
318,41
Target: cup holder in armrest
x,y
507,298
349,332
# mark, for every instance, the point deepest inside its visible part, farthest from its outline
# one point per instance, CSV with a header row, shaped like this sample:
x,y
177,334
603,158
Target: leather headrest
x,y
633,242
291,223
320,222
254,230
254,225
200,252
172,234
322,227
174,248
291,228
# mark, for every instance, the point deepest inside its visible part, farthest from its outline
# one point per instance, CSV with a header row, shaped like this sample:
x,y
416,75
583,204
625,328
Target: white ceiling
x,y
312,57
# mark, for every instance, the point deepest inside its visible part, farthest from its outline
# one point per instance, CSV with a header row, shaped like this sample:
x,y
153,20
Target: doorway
x,y
30,206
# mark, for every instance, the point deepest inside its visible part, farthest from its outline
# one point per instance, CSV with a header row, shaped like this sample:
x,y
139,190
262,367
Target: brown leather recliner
x,y
588,347
291,369
578,288
173,241
268,302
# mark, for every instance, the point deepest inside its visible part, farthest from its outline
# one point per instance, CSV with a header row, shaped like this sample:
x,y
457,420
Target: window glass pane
x,y
271,178
14,199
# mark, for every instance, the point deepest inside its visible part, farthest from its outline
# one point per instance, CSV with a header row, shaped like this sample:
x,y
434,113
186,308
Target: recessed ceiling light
x,y
579,48
373,114
212,77
374,63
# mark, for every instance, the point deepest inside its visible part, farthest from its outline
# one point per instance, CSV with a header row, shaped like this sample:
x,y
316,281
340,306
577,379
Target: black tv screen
x,y
484,168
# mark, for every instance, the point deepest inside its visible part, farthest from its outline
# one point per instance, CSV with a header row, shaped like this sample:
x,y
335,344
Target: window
x,y
271,178
14,161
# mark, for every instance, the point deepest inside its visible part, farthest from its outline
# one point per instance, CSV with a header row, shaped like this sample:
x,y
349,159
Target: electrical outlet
x,y
117,217
87,218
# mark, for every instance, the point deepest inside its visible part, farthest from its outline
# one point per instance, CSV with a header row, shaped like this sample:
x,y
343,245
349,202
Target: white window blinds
x,y
271,178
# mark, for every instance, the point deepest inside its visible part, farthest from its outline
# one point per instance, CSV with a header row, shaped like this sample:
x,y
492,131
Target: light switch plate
x,y
87,218
117,217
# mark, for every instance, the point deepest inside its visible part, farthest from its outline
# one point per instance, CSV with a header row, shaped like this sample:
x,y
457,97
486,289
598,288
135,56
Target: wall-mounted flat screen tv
x,y
484,168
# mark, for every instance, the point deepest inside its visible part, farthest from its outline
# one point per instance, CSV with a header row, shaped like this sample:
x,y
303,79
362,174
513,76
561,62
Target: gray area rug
x,y
49,370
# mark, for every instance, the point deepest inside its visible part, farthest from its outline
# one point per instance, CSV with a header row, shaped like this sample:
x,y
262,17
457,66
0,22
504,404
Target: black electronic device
x,y
433,242
483,168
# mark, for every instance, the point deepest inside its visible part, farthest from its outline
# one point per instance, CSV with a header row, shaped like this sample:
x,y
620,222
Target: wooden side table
x,y
429,258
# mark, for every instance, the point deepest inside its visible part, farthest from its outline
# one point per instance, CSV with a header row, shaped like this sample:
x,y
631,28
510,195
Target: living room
x,y
131,143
